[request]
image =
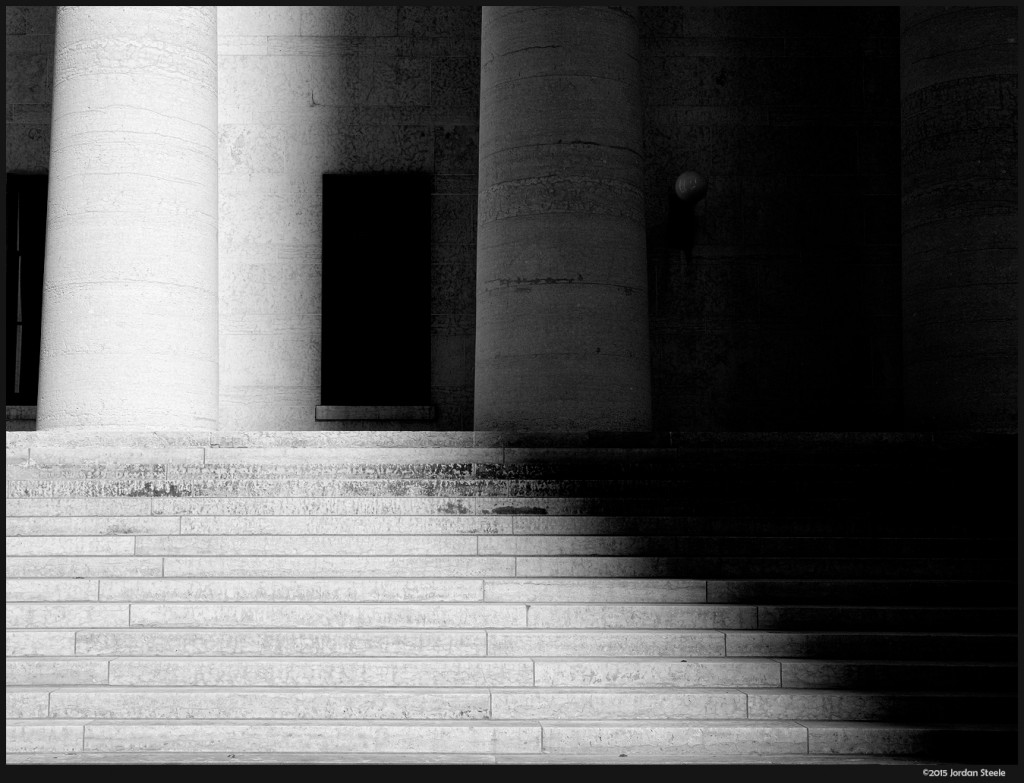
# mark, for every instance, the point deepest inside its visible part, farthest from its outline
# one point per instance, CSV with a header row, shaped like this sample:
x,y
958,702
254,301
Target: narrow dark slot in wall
x,y
23,267
376,289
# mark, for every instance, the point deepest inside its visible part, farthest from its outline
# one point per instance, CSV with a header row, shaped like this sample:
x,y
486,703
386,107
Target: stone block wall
x,y
29,47
785,314
308,90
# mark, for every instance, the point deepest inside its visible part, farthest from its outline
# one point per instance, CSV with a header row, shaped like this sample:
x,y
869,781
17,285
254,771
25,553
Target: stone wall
x,y
29,44
786,315
960,216
309,90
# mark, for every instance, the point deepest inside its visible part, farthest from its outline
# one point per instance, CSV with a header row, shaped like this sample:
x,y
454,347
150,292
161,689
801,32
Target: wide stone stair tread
x,y
535,703
223,759
780,592
469,544
655,737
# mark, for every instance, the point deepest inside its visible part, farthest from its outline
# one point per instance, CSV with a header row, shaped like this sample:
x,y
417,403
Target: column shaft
x,y
129,337
959,147
562,330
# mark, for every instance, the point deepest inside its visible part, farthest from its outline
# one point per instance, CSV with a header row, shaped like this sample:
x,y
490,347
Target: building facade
x,y
556,282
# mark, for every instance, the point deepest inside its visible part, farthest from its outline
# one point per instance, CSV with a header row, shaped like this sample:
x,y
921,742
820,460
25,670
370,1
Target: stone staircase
x,y
479,598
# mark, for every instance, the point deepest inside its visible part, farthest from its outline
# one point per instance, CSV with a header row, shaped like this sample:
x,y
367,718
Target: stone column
x,y
959,111
129,336
562,331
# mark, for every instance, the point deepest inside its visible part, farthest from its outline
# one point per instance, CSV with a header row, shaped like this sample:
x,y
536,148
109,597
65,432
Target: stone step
x,y
268,642
738,485
608,672
794,567
378,615
890,645
333,642
991,743
920,675
273,590
889,618
617,546
423,672
809,592
406,759
761,526
267,736
452,703
43,463
439,736
316,567
503,704
728,546
394,506
512,465
878,592
469,566
850,705
838,674
980,744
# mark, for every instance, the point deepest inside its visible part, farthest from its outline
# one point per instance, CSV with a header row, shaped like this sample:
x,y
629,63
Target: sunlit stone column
x,y
960,216
562,332
129,336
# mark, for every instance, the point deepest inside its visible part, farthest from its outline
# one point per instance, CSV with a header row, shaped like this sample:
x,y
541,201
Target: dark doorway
x,y
23,266
376,290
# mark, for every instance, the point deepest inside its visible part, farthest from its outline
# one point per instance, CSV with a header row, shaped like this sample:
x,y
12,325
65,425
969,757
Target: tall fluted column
x,y
562,331
129,336
959,107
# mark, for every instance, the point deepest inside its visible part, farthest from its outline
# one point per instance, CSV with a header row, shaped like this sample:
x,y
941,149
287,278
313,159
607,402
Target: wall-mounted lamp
x,y
691,187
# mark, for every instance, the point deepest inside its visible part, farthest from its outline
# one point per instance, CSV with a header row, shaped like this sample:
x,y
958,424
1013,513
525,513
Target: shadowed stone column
x,y
562,332
959,114
129,337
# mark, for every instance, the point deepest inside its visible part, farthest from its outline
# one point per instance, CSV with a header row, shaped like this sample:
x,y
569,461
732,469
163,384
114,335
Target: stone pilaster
x,y
562,330
129,337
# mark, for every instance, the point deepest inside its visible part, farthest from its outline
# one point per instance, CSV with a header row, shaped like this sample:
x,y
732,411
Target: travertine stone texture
x,y
632,704
722,737
27,703
265,704
274,643
40,643
55,671
129,337
309,90
777,307
518,759
29,62
352,590
657,673
392,737
313,672
44,737
561,294
606,643
958,89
